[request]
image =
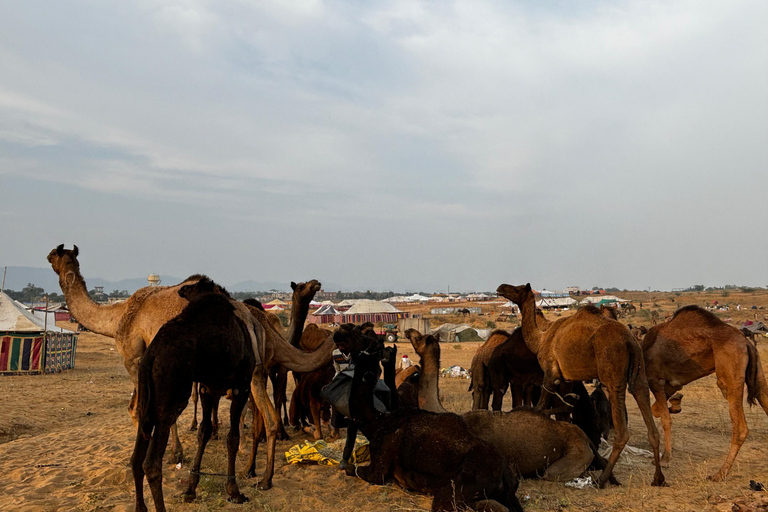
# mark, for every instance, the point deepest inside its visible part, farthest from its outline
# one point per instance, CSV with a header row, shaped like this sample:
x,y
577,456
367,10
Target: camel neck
x,y
99,318
299,312
531,332
294,358
429,395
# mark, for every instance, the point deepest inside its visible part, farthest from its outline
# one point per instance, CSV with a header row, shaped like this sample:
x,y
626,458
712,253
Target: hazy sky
x,y
389,145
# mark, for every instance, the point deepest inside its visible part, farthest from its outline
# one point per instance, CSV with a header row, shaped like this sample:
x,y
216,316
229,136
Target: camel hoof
x,y
251,473
717,477
283,436
659,481
240,498
264,485
189,496
193,427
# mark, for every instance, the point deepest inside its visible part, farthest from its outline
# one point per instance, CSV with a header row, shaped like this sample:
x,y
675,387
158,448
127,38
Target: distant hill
x,y
18,277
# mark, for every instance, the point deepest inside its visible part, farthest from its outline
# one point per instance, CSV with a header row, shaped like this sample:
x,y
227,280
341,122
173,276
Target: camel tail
x,y
752,377
144,404
635,368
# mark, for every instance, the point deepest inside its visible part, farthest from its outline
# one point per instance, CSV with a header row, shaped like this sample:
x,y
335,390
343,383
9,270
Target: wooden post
x,y
3,286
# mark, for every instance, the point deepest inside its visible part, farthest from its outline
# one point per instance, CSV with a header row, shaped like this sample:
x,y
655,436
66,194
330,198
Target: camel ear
x,y
75,250
293,286
528,287
60,250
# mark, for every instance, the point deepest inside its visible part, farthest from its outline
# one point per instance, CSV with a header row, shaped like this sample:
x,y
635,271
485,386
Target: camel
x,y
535,445
609,312
428,349
207,343
135,322
428,452
695,343
481,383
512,364
306,398
586,346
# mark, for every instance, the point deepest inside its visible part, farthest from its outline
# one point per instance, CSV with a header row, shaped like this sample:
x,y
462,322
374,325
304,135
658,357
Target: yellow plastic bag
x,y
327,454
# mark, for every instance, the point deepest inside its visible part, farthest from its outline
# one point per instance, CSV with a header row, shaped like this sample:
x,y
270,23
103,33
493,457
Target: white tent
x,y
14,317
365,306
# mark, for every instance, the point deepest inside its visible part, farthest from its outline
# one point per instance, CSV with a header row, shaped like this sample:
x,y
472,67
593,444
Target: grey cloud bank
x,y
402,145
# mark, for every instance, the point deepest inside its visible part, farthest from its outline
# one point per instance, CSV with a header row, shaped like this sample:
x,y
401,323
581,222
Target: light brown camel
x,y
583,347
134,323
428,348
695,343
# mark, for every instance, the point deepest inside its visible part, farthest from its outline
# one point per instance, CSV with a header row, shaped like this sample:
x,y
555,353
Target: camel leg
x,y
660,409
153,464
178,452
257,428
643,399
268,412
203,436
518,395
193,426
137,460
233,442
315,407
620,434
498,396
571,465
734,393
215,431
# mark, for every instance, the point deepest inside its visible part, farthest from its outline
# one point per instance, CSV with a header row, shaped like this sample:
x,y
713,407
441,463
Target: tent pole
x,y
45,323
3,286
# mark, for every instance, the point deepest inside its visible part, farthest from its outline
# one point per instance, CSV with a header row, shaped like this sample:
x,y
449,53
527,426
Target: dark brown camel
x,y
206,343
427,452
695,343
513,365
482,381
584,347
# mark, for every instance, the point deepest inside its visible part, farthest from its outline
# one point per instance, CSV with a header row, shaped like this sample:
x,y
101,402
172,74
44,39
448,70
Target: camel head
x,y
63,260
358,340
305,292
517,294
202,287
421,344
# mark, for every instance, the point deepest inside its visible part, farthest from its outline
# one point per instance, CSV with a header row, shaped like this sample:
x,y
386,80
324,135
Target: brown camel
x,y
207,343
695,343
306,401
482,381
135,322
513,365
584,347
428,348
609,312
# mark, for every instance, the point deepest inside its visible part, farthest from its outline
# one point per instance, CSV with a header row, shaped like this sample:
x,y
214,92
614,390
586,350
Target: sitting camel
x,y
583,347
134,322
427,452
207,343
536,445
695,343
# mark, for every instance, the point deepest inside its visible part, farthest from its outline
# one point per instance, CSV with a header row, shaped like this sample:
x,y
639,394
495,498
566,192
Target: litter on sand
x,y
580,483
325,453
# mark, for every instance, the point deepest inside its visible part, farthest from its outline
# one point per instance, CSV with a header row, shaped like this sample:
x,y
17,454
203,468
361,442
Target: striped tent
x,y
31,343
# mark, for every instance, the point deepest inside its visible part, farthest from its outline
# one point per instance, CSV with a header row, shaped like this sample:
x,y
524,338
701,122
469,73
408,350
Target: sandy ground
x,y
66,439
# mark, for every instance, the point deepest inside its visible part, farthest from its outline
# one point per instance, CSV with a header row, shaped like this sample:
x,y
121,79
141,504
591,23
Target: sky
x,y
393,145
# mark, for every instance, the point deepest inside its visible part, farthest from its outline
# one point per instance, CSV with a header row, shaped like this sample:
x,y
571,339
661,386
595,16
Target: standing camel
x,y
134,322
583,347
207,343
695,343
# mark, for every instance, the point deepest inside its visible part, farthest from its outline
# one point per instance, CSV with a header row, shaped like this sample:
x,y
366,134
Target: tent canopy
x,y
14,317
371,306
